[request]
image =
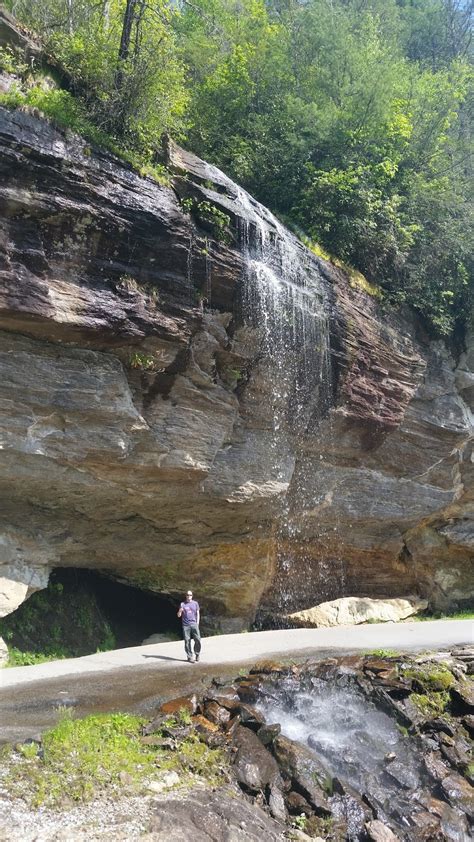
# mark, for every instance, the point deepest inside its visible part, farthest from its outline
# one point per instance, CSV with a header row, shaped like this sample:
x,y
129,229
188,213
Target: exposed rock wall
x,y
136,423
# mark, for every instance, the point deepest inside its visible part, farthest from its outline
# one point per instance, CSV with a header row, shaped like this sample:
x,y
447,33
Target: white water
x,y
358,744
285,300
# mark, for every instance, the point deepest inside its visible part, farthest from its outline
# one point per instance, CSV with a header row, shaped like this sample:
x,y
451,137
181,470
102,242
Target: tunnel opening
x,y
83,611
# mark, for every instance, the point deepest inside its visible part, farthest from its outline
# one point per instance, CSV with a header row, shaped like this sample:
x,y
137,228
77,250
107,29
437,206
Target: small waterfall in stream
x,y
360,751
285,301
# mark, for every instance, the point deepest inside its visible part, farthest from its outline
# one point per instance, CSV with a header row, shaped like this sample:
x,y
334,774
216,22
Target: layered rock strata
x,y
137,433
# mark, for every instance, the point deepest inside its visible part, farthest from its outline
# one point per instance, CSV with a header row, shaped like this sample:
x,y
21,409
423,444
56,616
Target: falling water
x,y
357,744
285,301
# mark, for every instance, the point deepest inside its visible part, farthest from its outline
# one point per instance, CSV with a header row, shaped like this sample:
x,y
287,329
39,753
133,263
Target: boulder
x,y
216,713
307,774
353,610
174,706
463,695
459,793
3,652
377,831
159,638
206,816
255,768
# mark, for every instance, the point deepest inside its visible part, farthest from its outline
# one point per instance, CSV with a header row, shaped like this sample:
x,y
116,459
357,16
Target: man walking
x,y
189,613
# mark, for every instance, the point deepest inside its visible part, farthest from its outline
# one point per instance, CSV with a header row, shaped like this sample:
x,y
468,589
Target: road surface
x,y
140,678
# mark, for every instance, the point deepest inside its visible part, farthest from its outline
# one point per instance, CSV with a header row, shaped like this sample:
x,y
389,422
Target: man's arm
x,y
198,614
180,610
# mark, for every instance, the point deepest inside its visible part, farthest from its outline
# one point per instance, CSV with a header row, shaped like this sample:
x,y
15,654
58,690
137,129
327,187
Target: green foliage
x,y
383,653
299,822
16,658
430,678
335,116
209,216
431,705
350,118
61,621
11,63
91,754
451,615
140,360
100,753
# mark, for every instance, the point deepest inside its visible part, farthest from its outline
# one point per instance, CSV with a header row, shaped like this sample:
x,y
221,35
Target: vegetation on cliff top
x,y
351,118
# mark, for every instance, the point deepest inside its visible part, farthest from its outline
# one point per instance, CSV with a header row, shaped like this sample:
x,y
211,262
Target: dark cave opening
x,y
132,613
83,611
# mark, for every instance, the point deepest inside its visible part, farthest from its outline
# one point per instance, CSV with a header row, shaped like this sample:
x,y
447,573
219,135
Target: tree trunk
x,y
124,48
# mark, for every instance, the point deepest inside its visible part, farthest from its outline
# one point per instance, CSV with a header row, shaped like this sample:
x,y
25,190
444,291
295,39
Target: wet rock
x,y
377,831
268,733
380,666
401,774
249,691
452,823
204,725
276,801
174,706
254,767
226,696
463,696
297,804
269,668
468,722
232,726
350,809
459,755
250,717
435,767
459,793
402,710
308,775
440,724
216,713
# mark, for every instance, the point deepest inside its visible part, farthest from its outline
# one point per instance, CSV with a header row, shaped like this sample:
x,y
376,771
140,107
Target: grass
x,y
383,653
81,759
429,678
466,614
431,705
17,658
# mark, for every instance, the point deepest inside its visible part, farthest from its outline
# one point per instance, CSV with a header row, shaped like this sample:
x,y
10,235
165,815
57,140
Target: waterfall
x,y
285,301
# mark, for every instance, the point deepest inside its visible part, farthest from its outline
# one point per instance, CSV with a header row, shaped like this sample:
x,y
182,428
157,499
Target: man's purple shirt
x,y
190,612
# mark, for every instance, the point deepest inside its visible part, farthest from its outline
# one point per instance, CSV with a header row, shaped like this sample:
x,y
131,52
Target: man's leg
x,y
197,640
187,642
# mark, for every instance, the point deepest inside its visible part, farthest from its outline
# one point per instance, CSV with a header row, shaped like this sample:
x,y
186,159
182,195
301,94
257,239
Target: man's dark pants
x,y
190,633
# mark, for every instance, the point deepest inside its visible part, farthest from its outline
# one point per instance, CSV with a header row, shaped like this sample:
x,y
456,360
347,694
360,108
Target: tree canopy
x,y
349,118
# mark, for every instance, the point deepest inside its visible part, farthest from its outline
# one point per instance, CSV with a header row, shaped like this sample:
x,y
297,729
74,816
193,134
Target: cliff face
x,y
138,401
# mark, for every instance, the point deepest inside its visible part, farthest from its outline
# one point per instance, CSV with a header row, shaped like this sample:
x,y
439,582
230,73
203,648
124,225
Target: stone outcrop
x,y
137,433
352,610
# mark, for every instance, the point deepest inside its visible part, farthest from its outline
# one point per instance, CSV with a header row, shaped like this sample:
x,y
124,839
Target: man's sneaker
x,y
197,658
191,660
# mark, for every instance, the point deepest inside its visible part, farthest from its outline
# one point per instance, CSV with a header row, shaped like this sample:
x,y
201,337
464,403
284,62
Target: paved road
x,y
140,678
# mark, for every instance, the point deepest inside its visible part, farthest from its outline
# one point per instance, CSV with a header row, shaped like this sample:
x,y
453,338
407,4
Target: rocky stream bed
x,y
374,747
